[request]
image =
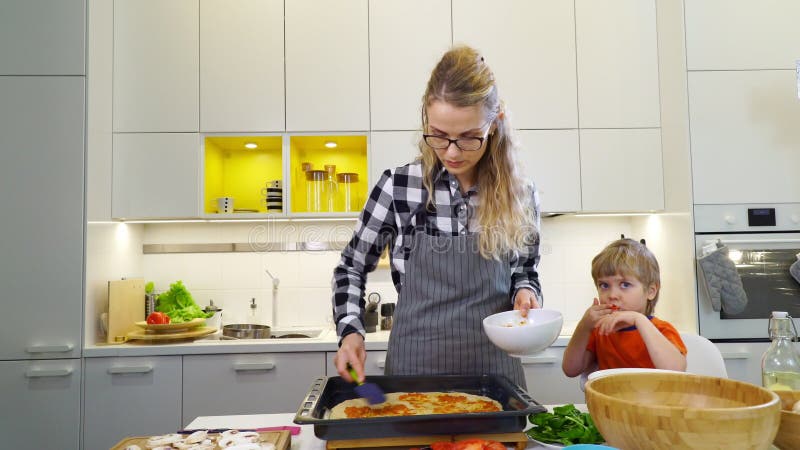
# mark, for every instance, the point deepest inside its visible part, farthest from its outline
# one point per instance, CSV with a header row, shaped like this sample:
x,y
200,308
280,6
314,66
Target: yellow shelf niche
x,y
232,170
349,156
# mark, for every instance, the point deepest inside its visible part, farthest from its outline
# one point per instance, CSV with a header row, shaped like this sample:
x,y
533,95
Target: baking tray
x,y
327,392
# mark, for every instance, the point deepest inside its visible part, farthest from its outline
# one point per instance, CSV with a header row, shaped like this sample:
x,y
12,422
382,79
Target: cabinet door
x,y
621,170
131,396
327,65
42,403
617,63
741,34
390,149
401,58
552,160
44,37
41,177
374,364
743,360
241,65
744,136
533,56
155,175
247,383
547,383
156,65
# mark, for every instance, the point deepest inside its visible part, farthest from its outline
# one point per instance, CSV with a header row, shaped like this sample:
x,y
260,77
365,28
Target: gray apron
x,y
447,291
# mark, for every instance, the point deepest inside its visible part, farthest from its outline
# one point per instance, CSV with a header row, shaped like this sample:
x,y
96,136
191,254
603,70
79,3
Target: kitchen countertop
x,y
303,441
326,342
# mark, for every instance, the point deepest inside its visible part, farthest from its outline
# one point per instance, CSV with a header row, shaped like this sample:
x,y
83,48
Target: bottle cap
x,y
779,314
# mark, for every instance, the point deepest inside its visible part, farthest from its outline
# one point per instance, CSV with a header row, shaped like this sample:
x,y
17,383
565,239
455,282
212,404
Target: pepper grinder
x,y
387,312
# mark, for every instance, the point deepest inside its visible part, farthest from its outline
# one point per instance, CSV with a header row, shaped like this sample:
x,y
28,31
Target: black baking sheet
x,y
327,392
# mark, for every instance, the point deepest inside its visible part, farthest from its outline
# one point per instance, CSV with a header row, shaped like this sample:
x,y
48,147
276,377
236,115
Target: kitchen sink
x,y
280,333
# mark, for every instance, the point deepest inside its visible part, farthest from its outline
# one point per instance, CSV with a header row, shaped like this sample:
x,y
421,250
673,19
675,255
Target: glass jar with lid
x,y
780,365
315,182
348,191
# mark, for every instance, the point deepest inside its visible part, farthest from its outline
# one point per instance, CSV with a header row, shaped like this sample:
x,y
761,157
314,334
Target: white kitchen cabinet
x,y
41,177
241,65
532,56
621,170
743,360
547,383
552,159
401,58
327,65
744,136
155,175
41,404
130,396
742,34
390,149
618,85
373,365
156,65
258,383
44,37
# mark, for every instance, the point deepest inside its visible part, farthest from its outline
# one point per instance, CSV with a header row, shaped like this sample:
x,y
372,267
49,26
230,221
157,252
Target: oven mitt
x,y
721,281
794,269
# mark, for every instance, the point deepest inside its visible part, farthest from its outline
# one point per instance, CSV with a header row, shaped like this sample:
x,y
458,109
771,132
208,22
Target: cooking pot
x,y
246,331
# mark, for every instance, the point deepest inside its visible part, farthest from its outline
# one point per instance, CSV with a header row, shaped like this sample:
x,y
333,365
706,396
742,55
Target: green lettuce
x,y
179,305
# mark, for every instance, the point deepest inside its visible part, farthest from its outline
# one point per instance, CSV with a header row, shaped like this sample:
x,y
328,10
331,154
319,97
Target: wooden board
x,y
281,439
125,307
170,327
170,336
517,440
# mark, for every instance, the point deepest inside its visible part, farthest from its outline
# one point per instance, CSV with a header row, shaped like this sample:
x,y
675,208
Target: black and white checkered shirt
x,y
388,219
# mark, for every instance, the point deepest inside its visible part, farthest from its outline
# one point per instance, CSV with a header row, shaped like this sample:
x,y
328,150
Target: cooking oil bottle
x,y
780,365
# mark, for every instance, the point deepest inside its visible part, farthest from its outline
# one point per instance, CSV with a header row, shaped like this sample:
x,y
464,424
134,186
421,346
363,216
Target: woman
x,y
463,228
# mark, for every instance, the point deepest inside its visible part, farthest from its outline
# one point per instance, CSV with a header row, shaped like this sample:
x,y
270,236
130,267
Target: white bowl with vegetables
x,y
563,426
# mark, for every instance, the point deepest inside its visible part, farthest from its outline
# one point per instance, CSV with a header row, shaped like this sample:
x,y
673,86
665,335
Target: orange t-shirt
x,y
625,348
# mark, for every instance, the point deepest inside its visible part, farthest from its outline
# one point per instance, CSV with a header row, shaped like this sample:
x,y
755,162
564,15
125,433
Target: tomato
x,y
478,444
157,318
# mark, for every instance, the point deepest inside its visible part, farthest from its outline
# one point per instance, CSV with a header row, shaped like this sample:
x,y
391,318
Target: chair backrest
x,y
703,357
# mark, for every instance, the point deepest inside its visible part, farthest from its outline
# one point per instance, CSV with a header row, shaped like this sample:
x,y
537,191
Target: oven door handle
x,y
754,241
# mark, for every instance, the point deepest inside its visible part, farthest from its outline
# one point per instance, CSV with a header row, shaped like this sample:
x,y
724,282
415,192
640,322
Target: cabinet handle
x,y
735,355
538,360
42,373
243,367
130,369
381,363
49,348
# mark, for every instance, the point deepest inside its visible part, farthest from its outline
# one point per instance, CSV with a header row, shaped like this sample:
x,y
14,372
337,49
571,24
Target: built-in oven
x,y
763,242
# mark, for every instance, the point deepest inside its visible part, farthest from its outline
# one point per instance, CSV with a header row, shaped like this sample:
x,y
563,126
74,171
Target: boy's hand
x,y
595,312
617,321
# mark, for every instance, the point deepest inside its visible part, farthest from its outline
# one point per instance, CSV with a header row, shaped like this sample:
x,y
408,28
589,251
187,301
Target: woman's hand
x,y
617,320
525,300
351,352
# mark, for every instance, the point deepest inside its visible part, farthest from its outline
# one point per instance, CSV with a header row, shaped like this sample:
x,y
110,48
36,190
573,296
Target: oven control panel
x,y
747,218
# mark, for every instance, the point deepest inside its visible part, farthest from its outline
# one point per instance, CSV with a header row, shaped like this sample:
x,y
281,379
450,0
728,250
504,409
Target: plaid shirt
x,y
388,219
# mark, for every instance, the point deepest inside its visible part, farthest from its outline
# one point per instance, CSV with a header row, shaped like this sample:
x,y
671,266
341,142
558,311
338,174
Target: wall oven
x,y
763,242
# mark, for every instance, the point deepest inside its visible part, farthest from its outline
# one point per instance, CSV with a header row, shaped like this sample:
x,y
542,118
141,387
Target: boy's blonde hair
x,y
627,257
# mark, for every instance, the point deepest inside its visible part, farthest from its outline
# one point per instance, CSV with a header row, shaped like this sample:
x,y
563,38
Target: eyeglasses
x,y
466,144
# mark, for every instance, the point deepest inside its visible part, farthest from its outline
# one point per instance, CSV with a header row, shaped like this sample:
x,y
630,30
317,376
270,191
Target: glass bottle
x,y
302,177
780,365
330,187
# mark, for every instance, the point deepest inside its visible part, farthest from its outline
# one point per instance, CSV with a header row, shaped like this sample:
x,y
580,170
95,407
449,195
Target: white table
x,y
304,441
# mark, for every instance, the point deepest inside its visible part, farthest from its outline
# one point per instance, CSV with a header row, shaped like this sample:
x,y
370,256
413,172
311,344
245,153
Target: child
x,y
619,330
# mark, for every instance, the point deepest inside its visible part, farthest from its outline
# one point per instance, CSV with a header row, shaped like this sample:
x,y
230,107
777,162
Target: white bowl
x,y
607,372
519,336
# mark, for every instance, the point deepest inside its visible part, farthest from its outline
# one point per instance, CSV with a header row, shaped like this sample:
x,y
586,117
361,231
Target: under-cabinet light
x,y
330,144
251,145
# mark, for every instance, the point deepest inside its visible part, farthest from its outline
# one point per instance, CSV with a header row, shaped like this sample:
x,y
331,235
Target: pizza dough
x,y
414,404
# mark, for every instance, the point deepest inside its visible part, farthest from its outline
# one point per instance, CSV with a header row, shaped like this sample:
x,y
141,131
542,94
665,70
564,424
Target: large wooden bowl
x,y
788,437
637,411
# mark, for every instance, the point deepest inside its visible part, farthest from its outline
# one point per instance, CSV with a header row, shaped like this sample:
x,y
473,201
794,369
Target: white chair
x,y
703,357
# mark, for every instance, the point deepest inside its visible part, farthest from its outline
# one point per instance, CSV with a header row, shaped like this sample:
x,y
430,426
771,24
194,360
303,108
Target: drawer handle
x,y
381,363
244,367
42,373
130,369
49,348
538,360
735,355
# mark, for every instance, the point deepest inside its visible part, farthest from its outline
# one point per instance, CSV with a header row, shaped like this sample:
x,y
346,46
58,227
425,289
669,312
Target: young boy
x,y
619,330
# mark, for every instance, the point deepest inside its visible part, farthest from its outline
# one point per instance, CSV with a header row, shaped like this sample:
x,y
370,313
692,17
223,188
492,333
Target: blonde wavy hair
x,y
506,215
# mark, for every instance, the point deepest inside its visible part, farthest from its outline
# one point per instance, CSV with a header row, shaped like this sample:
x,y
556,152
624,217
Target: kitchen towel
x,y
794,269
721,281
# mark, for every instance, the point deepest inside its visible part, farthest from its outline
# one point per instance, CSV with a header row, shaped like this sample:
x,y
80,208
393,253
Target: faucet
x,y
275,283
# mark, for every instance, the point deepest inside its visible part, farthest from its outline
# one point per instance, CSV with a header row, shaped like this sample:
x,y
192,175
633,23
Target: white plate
x,y
546,444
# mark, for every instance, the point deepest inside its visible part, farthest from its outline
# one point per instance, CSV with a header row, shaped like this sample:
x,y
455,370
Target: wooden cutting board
x,y
281,439
125,308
